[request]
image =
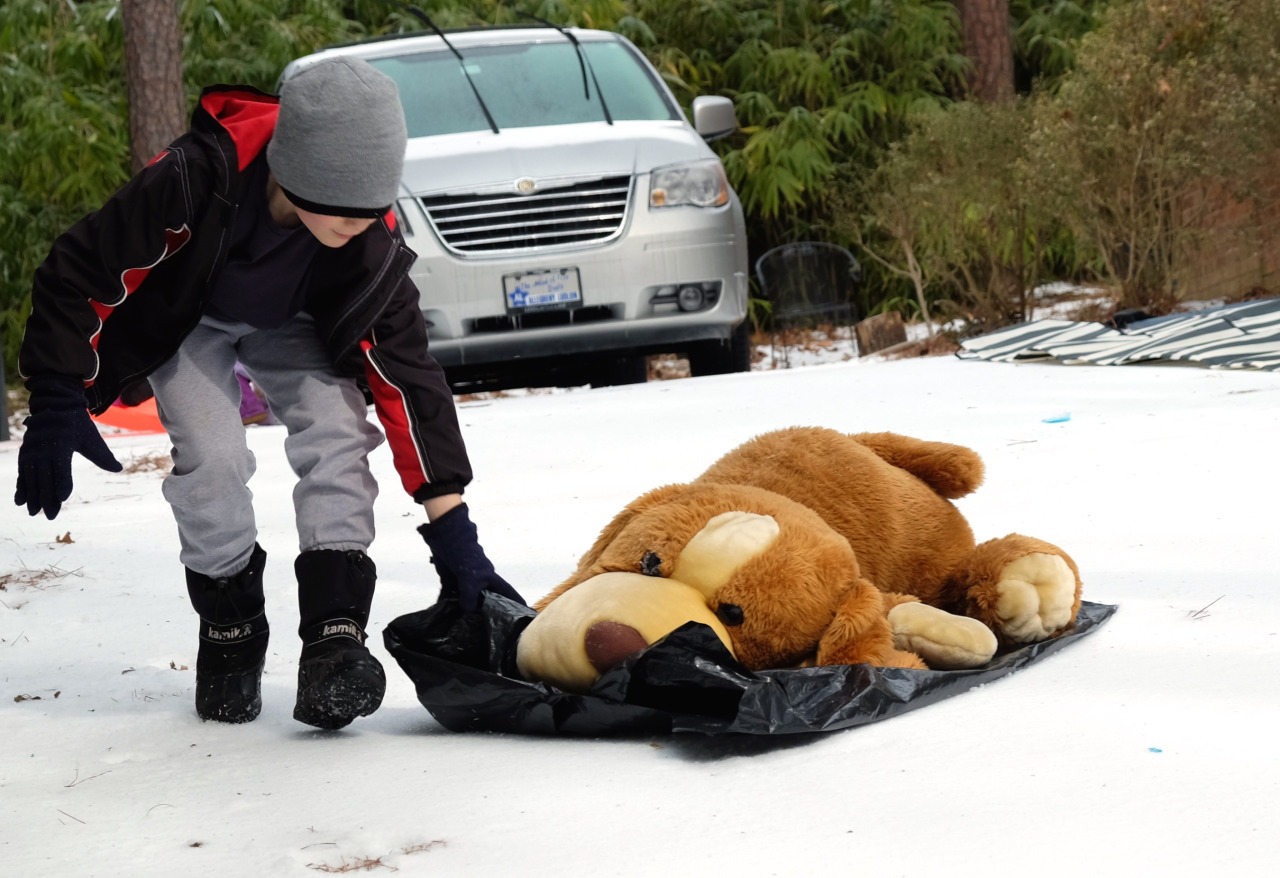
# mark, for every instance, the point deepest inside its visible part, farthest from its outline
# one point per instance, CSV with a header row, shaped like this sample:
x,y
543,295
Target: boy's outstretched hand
x,y
58,427
464,569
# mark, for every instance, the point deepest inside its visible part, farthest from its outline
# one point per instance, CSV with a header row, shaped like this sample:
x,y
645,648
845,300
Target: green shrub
x,y
957,210
1167,101
1104,170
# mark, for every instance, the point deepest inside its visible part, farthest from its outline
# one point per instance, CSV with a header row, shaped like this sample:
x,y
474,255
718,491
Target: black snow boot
x,y
233,642
338,679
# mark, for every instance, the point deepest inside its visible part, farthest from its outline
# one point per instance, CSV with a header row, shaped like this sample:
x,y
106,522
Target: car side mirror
x,y
714,117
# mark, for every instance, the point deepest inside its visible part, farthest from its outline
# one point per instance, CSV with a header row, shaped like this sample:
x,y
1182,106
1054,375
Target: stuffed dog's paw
x,y
945,641
1022,588
1036,593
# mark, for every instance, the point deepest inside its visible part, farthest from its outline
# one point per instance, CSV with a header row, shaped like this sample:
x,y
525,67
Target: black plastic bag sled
x,y
464,669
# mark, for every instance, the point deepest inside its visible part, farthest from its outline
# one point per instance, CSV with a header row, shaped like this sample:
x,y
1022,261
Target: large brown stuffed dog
x,y
807,546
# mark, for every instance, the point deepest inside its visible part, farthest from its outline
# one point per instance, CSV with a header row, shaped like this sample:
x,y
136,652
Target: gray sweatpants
x,y
328,444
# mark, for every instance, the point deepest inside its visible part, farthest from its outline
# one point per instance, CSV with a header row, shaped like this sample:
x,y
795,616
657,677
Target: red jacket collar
x,y
247,115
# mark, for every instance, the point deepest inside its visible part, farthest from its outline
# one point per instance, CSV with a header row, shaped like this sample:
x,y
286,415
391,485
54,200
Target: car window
x,y
523,86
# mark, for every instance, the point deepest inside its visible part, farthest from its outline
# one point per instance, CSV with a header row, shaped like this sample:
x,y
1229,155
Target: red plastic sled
x,y
140,418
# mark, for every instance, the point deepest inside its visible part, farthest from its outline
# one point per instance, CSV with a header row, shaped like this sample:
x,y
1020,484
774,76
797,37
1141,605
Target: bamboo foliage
x,y
63,135
249,41
1046,35
816,83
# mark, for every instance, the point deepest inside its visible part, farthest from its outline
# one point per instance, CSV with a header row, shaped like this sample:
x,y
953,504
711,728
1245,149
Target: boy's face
x,y
332,231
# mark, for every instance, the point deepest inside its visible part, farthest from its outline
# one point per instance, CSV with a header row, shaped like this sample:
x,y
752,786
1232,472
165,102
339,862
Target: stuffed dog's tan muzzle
x,y
607,617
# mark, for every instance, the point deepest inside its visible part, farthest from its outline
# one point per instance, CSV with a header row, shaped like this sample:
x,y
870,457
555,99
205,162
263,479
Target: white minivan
x,y
568,219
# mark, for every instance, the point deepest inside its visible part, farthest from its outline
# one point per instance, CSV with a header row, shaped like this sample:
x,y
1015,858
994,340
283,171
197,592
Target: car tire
x,y
611,371
722,357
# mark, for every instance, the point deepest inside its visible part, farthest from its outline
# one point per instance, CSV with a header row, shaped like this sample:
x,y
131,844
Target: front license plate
x,y
542,290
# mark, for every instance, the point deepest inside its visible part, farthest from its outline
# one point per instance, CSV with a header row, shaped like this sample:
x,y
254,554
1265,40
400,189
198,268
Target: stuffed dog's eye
x,y
729,614
651,564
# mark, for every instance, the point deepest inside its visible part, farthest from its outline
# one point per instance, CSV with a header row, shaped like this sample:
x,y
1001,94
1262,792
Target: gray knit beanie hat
x,y
338,146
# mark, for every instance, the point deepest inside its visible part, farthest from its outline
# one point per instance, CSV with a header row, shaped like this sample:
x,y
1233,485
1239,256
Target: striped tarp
x,y
1237,336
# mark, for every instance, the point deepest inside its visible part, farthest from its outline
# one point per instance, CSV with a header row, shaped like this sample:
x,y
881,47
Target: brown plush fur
x,y
865,523
971,590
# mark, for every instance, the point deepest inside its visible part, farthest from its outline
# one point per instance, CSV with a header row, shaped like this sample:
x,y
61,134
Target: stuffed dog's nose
x,y
608,643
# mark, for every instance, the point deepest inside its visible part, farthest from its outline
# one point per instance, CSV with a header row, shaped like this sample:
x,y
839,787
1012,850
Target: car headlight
x,y
700,184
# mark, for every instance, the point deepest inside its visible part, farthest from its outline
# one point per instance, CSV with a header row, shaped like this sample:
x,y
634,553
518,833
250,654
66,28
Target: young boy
x,y
264,235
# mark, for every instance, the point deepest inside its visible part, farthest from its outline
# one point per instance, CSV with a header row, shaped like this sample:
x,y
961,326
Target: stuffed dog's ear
x,y
587,567
898,631
860,632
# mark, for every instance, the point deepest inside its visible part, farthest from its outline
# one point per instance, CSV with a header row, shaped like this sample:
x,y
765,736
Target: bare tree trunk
x,y
153,70
988,43
916,273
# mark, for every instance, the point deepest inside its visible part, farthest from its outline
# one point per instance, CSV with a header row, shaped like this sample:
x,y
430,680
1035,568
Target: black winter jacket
x,y
124,286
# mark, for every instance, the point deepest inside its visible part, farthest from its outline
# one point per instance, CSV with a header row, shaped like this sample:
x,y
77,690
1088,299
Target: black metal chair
x,y
807,284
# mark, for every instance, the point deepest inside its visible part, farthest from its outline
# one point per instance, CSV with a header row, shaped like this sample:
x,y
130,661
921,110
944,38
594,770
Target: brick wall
x,y
1240,251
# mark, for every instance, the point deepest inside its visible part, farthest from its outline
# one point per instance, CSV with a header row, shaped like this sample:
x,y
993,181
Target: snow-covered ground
x,y
1149,748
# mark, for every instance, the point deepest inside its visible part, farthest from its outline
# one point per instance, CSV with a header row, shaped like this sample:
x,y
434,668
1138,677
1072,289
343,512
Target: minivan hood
x,y
472,161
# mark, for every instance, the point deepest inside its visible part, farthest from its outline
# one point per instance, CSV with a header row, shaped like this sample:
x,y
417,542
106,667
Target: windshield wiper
x,y
583,62
415,11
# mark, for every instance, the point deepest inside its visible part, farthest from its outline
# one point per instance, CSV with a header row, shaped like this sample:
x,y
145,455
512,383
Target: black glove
x,y
58,427
461,563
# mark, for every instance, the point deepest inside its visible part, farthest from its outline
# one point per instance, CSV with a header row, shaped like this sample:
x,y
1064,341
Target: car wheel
x,y
722,357
610,371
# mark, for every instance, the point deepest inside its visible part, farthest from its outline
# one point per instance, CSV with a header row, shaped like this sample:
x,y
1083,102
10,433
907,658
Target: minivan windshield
x,y
523,86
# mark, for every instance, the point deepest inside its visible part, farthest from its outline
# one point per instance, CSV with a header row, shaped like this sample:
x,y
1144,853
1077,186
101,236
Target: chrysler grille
x,y
589,212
